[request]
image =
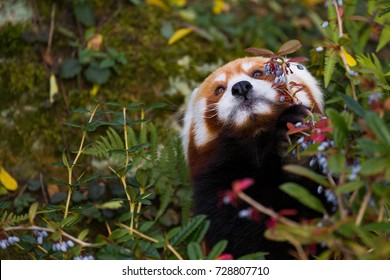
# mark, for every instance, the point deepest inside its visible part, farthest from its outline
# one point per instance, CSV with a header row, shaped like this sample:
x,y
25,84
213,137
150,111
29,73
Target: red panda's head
x,y
239,98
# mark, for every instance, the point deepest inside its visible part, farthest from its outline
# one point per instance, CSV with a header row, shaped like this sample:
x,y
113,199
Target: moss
x,y
12,42
136,33
23,80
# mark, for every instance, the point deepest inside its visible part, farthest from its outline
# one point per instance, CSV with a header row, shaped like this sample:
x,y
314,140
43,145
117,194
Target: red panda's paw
x,y
293,114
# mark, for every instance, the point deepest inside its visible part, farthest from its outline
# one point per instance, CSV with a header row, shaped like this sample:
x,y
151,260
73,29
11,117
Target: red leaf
x,y
260,51
225,257
288,212
292,129
317,137
271,223
240,185
298,59
341,11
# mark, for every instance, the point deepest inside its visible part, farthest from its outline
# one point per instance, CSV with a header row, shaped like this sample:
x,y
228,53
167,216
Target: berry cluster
x,y
11,240
84,258
63,246
40,235
280,69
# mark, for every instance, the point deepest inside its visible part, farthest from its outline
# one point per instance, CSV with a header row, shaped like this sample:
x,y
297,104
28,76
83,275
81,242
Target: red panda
x,y
235,127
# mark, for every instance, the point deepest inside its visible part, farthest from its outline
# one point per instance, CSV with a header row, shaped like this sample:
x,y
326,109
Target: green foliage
x,y
123,190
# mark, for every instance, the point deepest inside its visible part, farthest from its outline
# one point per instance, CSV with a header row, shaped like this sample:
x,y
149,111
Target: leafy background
x,y
91,103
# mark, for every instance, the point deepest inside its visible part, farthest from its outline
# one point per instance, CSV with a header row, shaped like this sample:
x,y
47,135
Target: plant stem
x,y
261,208
174,251
63,233
71,165
132,230
363,207
123,176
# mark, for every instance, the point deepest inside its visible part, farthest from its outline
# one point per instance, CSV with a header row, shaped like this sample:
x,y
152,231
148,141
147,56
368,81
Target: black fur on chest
x,y
236,158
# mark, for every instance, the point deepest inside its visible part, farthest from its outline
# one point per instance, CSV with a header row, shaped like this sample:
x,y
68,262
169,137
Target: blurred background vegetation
x,y
59,56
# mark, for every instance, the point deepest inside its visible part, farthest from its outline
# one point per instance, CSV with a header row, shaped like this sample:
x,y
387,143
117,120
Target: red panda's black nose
x,y
241,88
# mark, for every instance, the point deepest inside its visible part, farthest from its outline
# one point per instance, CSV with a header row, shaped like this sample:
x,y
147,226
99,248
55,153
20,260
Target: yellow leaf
x,y
158,3
95,42
7,180
178,3
218,6
32,212
94,89
179,34
53,87
350,60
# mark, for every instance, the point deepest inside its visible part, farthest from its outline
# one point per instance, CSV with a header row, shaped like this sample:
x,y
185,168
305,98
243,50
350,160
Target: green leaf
x,y
330,64
80,110
113,252
340,125
303,196
113,204
378,127
289,47
194,251
85,56
384,38
254,256
155,105
217,250
378,226
70,68
349,187
83,234
83,12
97,75
336,163
305,172
73,125
374,166
199,234
353,105
107,63
187,229
71,220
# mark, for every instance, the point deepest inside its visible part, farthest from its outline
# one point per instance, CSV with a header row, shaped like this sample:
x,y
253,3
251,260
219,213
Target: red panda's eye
x,y
219,90
257,74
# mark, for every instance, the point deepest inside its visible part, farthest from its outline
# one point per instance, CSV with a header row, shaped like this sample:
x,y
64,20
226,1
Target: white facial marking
x,y
189,113
202,133
229,106
247,65
220,78
300,76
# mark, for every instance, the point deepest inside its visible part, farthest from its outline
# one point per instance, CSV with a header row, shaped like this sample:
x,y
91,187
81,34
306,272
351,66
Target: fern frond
x,y
11,219
330,64
104,147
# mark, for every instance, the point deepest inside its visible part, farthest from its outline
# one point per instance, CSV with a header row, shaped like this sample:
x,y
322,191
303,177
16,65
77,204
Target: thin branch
x,y
261,208
363,207
132,230
63,233
174,252
339,20
51,32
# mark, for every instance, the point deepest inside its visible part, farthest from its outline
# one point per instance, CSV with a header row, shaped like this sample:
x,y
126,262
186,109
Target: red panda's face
x,y
239,97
